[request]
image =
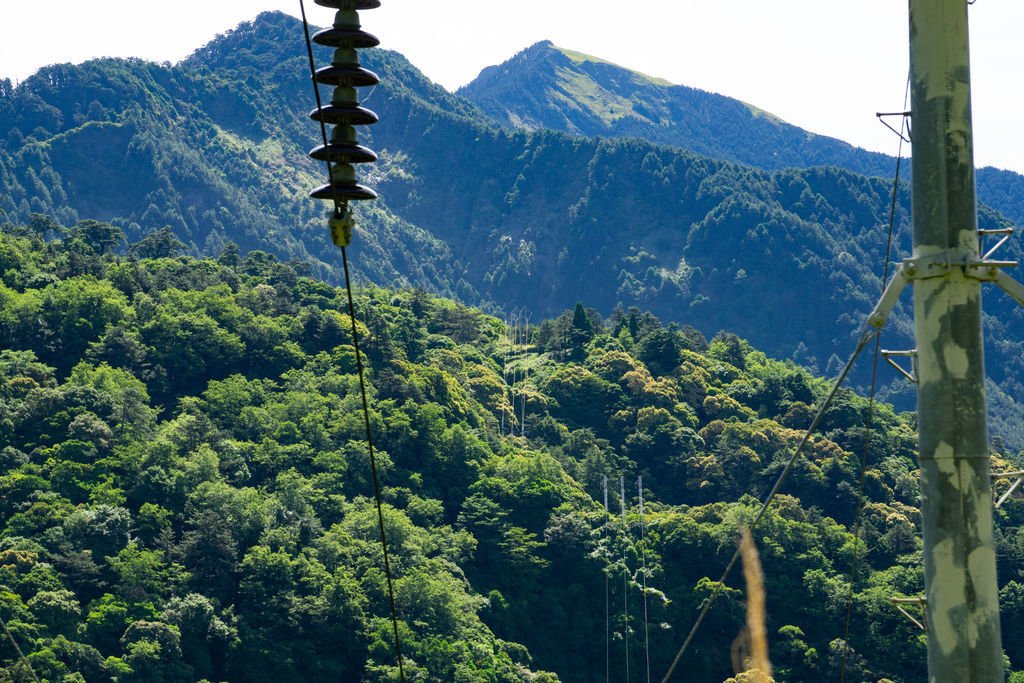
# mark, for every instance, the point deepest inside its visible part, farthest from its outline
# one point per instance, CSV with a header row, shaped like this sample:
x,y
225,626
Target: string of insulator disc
x,y
344,112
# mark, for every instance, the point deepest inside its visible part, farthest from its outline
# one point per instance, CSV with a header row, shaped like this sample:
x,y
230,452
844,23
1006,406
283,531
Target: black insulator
x,y
344,153
346,75
343,191
344,114
349,4
345,37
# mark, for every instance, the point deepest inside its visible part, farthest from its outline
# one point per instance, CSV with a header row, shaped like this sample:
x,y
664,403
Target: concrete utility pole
x,y
964,644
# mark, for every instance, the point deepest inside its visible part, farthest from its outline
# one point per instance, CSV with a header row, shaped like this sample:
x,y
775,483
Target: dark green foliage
x,y
160,244
198,507
95,236
660,351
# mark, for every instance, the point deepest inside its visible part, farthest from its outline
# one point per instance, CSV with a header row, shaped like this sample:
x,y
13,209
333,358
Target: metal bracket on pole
x,y
921,623
941,265
905,114
1005,232
985,270
1010,286
1017,477
911,353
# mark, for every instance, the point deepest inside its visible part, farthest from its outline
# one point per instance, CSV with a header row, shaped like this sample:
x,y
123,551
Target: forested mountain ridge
x,y
185,484
215,148
546,86
217,157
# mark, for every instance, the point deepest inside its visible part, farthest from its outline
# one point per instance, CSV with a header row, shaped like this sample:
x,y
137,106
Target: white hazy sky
x,y
825,65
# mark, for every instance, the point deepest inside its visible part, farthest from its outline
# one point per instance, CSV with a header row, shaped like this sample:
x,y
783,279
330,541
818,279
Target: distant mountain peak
x,y
540,45
546,86
547,49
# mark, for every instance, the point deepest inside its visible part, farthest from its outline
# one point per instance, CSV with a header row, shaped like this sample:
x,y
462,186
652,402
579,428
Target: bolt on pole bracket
x,y
911,374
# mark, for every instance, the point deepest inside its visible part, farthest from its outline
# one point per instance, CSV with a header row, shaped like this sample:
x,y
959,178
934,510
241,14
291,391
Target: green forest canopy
x,y
185,487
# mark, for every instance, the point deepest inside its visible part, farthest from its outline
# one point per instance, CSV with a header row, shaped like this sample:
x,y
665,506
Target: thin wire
x,y
21,655
865,337
504,370
373,468
625,573
869,423
512,367
607,599
643,555
526,372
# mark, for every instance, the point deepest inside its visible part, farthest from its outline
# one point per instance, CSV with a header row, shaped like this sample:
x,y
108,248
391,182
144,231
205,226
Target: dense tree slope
x,y
185,488
215,148
545,86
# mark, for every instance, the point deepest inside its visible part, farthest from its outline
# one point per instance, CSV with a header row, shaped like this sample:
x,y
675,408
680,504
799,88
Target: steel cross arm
x,y
1018,478
1010,286
942,264
891,295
